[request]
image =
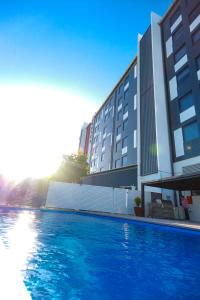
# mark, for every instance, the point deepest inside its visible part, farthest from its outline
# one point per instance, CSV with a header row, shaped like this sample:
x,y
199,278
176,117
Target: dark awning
x,y
180,183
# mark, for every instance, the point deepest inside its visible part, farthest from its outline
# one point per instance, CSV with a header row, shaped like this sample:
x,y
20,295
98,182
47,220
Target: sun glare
x,y
37,126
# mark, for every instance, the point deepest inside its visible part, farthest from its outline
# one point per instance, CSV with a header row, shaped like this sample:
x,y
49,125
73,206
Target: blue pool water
x,y
65,256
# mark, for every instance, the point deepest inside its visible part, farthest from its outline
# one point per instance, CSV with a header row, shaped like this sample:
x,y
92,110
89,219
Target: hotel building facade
x,y
148,128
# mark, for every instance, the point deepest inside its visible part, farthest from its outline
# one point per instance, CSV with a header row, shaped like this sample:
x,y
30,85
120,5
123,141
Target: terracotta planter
x,y
138,211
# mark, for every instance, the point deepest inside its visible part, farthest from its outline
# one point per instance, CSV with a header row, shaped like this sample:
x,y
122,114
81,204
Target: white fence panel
x,y
92,198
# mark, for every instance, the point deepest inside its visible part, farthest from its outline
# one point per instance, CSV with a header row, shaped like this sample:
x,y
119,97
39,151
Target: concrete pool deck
x,y
165,222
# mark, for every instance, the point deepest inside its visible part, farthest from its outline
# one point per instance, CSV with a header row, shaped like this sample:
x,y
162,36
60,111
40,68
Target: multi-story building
x,y
113,138
151,119
84,140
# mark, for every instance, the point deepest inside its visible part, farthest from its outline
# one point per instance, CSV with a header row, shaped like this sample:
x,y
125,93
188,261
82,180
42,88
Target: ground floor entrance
x,y
184,199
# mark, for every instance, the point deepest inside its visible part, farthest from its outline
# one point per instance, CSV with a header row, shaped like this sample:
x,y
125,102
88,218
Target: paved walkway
x,y
173,223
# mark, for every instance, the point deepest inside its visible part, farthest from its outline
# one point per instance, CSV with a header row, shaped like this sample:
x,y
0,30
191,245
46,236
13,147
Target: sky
x,y
58,62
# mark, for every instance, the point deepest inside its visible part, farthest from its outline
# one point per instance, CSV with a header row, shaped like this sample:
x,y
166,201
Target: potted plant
x,y
138,209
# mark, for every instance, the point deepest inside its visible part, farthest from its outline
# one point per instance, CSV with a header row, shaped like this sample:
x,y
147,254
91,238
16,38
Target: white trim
x,y
160,101
169,47
118,137
195,23
135,71
126,87
119,107
135,139
181,63
187,114
135,101
124,150
198,74
176,23
104,136
173,88
178,141
125,116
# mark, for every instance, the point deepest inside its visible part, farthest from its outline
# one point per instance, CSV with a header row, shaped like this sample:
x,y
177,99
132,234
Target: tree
x,y
72,169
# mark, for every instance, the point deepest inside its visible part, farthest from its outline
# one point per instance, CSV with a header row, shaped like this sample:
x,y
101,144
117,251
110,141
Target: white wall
x,y
89,197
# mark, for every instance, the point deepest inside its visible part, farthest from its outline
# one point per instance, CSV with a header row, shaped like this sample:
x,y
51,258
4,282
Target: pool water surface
x,y
75,256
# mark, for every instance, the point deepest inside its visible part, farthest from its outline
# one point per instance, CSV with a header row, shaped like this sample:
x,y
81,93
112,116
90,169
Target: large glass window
x,y
126,80
198,63
179,54
103,143
117,163
119,115
119,129
125,142
120,88
183,74
118,146
175,16
119,101
196,36
190,132
102,156
125,124
125,108
186,102
178,33
124,161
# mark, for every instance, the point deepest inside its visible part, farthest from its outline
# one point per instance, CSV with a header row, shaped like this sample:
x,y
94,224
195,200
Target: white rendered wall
x,y
89,197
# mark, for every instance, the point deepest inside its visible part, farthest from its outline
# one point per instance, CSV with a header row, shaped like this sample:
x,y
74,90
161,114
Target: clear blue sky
x,y
79,44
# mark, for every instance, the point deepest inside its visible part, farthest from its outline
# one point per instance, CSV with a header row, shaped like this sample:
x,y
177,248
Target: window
x,y
182,75
103,143
118,146
119,115
106,117
179,54
196,36
102,156
125,124
194,14
190,132
178,33
124,160
126,94
120,88
198,63
126,81
125,108
104,130
119,101
117,163
175,16
186,102
119,129
125,142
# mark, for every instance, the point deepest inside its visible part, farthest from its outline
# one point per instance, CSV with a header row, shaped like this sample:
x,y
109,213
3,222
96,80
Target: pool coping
x,y
164,222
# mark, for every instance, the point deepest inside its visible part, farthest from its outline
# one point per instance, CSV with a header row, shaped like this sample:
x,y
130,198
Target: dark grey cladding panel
x,y
149,164
115,178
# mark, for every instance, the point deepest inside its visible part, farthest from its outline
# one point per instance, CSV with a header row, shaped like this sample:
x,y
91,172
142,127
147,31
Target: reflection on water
x,y
16,249
22,240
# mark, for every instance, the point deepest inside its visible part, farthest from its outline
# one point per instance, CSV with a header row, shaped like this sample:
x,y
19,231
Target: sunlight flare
x,y
37,126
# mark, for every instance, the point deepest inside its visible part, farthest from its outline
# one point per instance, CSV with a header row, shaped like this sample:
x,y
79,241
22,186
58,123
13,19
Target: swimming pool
x,y
65,256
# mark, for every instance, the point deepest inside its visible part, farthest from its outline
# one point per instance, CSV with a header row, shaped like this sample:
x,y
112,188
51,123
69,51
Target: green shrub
x,y
138,201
